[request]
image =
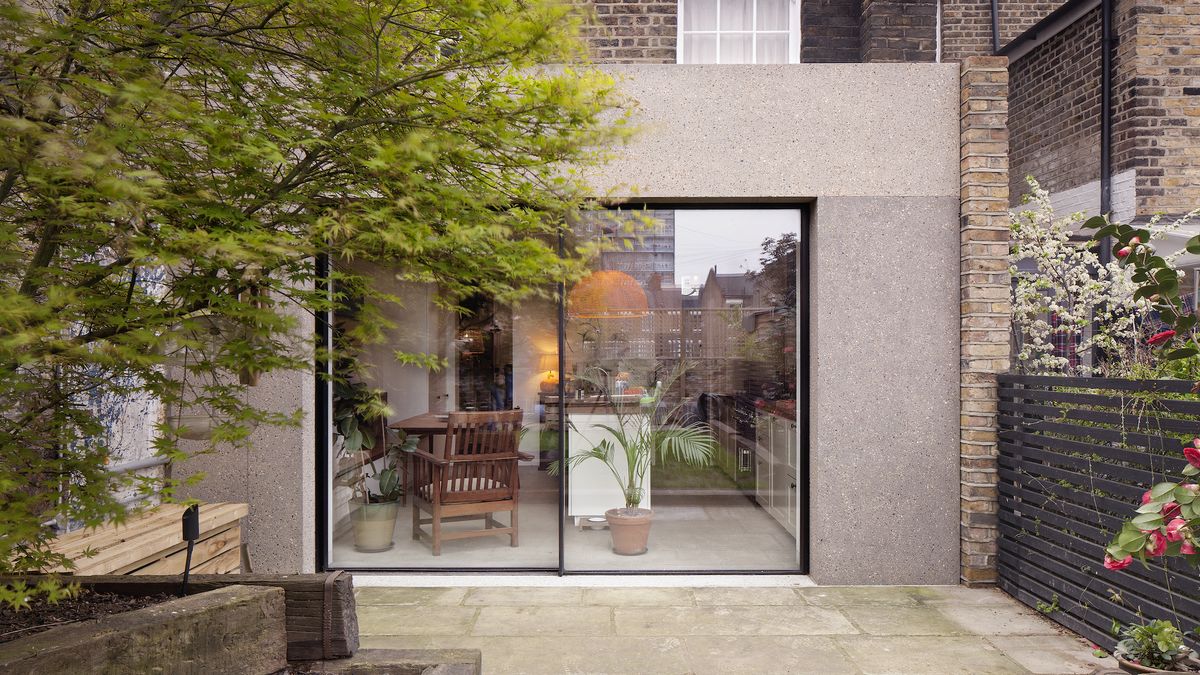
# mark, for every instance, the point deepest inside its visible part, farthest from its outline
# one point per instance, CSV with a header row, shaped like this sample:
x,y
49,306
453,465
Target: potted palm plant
x,y
373,477
647,430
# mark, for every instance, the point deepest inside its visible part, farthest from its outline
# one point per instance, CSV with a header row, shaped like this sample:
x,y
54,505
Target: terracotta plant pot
x,y
374,525
630,530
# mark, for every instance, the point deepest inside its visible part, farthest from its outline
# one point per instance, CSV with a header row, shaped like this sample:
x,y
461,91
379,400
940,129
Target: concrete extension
x,y
826,629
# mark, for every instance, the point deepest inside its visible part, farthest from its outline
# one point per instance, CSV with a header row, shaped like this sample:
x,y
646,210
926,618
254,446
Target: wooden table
x,y
427,425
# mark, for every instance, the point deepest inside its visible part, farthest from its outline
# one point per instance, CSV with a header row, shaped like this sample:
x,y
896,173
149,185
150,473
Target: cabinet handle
x,y
793,486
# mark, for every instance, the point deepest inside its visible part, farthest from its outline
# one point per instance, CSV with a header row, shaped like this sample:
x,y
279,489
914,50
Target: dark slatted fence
x,y
1076,454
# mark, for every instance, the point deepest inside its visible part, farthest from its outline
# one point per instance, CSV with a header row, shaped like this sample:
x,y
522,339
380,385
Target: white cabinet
x,y
591,487
776,489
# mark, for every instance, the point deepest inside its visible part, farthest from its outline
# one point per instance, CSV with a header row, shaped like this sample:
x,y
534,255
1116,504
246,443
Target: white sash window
x,y
738,31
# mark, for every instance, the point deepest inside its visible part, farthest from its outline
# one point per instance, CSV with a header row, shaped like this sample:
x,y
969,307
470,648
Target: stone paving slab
x,y
853,630
891,620
927,655
731,620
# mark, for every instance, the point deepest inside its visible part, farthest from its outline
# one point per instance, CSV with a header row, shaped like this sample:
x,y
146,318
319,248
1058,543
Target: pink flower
x,y
1146,497
1157,545
1169,510
1124,252
1173,529
1117,565
1159,338
1192,455
1186,548
1134,241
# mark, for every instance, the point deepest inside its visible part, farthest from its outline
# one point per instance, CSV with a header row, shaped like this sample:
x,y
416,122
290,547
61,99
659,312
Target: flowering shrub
x,y
1167,523
1067,291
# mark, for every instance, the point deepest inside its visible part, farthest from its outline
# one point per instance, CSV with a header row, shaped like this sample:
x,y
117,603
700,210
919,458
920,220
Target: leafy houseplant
x,y
647,430
374,511
1156,646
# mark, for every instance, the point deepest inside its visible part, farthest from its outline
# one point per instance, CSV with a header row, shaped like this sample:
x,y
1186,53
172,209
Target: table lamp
x,y
548,363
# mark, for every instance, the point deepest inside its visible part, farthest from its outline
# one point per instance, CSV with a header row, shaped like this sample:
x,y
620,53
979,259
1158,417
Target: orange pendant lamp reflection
x,y
607,294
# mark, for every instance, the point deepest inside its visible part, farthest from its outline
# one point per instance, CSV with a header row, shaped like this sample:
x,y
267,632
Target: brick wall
x,y
967,24
1054,112
1157,89
898,30
630,31
985,311
830,32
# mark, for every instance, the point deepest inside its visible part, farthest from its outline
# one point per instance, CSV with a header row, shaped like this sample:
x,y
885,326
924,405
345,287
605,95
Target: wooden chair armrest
x,y
426,456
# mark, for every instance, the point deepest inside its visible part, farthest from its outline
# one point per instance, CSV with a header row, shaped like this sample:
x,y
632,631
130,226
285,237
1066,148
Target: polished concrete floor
x,y
898,630
692,530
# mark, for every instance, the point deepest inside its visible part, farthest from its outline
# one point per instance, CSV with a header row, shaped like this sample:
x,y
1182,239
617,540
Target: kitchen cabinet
x,y
775,462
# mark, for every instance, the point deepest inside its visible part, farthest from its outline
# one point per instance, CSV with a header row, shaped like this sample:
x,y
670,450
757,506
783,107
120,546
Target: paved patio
x,y
895,629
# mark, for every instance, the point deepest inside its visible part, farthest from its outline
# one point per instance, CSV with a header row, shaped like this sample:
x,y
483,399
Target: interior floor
x,y
693,530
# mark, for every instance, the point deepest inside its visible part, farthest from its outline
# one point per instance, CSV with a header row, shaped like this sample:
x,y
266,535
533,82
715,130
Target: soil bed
x,y
44,616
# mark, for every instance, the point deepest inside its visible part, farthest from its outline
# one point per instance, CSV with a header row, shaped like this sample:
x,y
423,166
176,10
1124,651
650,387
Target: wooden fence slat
x,y
1128,421
1162,386
1072,468
1153,406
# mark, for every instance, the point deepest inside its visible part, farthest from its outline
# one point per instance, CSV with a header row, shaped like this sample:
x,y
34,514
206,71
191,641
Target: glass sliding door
x,y
664,386
681,384
471,488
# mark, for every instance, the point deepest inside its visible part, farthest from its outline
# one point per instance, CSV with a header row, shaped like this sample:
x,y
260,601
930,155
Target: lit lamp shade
x,y
548,364
607,294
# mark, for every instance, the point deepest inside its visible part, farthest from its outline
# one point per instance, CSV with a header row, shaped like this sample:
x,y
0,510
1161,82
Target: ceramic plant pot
x,y
630,530
374,525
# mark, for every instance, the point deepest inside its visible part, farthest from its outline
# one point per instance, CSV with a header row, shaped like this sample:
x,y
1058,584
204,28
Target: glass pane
x,y
681,363
699,49
737,14
700,15
772,48
773,14
737,48
500,371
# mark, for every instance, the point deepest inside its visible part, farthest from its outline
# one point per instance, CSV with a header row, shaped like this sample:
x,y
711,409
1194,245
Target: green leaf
x,y
1193,245
1147,521
1095,222
1181,353
1190,470
1162,490
1183,495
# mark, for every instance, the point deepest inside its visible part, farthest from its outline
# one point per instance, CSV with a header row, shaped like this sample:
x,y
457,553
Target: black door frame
x,y
323,411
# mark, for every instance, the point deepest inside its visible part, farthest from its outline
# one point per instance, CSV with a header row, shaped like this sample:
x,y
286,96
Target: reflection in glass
x,y
463,493
680,358
700,321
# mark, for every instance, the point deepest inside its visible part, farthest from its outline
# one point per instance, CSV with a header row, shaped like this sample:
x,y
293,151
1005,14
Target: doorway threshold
x,y
400,579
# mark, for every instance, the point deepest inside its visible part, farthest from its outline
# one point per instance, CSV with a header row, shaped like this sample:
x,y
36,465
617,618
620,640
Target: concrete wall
x,y
876,148
274,473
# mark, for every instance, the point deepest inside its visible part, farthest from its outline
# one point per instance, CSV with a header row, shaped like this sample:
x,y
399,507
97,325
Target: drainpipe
x,y
995,26
1106,113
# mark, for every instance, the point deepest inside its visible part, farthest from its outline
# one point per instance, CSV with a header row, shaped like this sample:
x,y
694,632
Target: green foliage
x,y
170,170
1157,644
1157,280
18,594
646,432
355,409
1049,607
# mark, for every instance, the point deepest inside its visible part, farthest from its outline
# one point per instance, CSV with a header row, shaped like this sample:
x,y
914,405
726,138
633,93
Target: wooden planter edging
x,y
321,619
229,630
151,543
1076,454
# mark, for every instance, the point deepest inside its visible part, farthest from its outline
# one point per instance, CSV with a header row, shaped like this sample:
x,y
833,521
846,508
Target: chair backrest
x,y
472,434
481,451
